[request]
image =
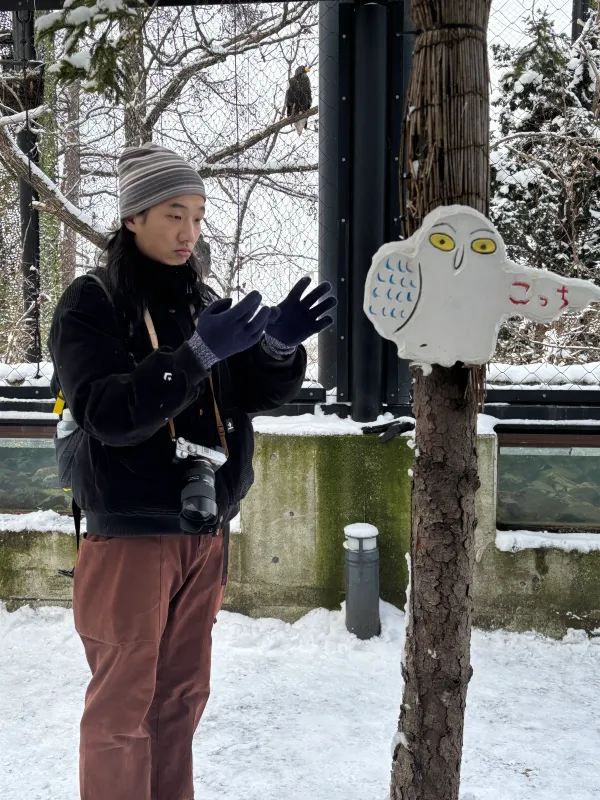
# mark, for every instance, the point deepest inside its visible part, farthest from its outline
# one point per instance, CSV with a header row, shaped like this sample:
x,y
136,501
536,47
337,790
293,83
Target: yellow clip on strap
x,y
59,403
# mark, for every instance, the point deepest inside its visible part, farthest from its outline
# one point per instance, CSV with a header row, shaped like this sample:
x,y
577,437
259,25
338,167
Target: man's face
x,y
168,232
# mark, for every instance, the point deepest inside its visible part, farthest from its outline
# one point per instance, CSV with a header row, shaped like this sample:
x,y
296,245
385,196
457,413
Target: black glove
x,y
301,318
223,329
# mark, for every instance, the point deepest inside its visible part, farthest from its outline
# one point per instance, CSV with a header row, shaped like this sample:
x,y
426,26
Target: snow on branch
x,y
111,25
22,116
54,200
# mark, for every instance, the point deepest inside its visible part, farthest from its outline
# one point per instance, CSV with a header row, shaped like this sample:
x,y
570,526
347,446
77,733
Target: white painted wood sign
x,y
442,294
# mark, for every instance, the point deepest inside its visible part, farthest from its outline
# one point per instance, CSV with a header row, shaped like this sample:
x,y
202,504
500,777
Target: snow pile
x,y
38,521
51,522
26,374
317,424
309,711
513,541
48,415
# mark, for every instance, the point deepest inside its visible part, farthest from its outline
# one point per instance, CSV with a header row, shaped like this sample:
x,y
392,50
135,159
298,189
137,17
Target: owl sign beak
x,y
458,257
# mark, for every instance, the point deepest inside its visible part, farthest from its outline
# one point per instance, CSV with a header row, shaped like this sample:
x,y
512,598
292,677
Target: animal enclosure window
x,y
552,484
28,478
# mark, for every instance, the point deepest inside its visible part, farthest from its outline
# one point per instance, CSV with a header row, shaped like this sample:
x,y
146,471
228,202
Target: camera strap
x,y
154,341
220,428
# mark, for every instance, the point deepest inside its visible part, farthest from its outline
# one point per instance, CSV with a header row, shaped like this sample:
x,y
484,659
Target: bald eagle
x,y
298,97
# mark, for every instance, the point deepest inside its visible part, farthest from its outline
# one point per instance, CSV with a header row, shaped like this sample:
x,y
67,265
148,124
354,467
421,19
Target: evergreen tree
x,y
545,173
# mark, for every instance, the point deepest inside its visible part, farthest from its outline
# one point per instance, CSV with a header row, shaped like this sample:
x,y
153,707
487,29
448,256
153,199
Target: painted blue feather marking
x,y
394,294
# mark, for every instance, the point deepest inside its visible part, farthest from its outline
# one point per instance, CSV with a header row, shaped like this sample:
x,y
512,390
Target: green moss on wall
x,y
29,564
307,489
546,590
359,479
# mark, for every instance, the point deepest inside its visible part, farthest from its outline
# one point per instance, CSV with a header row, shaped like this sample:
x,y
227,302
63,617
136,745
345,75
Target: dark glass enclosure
x,y
551,484
28,479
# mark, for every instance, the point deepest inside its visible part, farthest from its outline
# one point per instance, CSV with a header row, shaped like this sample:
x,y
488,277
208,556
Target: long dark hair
x,y
125,280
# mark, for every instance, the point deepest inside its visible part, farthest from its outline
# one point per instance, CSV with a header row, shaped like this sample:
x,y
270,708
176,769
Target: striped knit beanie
x,y
150,174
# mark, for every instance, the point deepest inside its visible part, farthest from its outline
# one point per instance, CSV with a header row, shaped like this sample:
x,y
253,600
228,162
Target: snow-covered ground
x,y
308,712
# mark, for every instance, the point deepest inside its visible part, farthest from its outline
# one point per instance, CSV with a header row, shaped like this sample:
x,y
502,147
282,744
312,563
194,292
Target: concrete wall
x,y
543,589
29,564
289,556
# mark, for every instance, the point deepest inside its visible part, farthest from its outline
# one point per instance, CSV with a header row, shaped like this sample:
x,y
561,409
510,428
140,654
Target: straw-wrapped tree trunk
x,y
445,161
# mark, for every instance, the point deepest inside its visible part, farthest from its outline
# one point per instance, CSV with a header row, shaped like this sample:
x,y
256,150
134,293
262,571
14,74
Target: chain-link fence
x,y
545,191
211,83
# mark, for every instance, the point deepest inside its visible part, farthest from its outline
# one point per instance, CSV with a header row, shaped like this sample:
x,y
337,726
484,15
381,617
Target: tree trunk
x,y
50,261
445,161
135,92
71,180
24,51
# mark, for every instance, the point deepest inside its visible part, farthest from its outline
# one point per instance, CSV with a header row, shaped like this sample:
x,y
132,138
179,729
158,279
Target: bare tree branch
x,y
22,116
231,171
234,149
219,52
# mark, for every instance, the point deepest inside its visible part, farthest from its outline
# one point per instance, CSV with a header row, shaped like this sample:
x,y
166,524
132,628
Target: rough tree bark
x,y
445,161
71,179
135,89
50,267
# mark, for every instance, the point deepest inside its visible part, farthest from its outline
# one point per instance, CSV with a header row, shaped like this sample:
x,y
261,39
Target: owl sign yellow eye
x,y
442,241
483,246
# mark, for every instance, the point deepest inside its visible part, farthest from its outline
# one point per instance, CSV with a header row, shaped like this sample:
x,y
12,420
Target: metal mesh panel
x,y
566,354
216,76
262,212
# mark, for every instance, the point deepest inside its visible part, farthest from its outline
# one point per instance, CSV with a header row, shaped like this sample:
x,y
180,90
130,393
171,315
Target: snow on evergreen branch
x,y
108,27
545,175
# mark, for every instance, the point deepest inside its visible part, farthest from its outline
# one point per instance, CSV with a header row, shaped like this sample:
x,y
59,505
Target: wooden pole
x,y
444,161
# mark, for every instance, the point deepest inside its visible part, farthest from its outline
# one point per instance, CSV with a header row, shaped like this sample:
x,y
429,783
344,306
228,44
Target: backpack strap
x,y
58,409
70,573
101,283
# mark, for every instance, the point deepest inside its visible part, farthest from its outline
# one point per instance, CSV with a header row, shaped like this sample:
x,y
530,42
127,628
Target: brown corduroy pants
x,y
144,608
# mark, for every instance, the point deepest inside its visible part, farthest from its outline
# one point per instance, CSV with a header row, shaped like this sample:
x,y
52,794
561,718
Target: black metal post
x,y
328,178
24,52
368,200
397,378
581,9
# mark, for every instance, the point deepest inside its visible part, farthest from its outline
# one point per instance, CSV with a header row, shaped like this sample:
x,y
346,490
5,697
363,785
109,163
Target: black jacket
x,y
122,393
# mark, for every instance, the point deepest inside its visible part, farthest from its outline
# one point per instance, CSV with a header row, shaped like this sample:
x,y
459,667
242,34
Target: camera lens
x,y
199,510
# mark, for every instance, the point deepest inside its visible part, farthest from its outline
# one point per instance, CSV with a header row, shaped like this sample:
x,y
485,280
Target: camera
x,y
199,511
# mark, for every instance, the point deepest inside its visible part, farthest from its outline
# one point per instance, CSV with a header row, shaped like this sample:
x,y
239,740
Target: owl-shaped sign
x,y
442,294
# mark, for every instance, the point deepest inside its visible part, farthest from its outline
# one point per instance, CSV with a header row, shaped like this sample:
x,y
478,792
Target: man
x,y
144,356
